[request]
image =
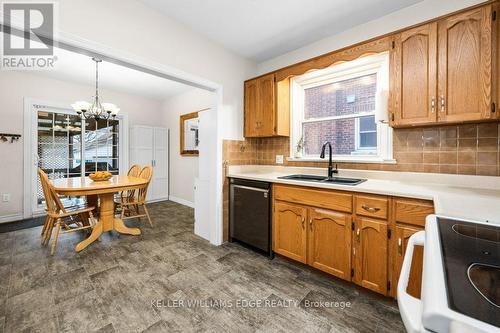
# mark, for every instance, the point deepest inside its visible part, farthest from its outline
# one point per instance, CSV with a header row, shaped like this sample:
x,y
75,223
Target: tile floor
x,y
149,283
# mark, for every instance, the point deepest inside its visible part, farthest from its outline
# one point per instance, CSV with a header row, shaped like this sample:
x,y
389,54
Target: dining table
x,y
100,194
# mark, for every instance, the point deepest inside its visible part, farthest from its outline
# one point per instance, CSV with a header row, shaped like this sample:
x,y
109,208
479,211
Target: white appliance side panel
x,y
202,208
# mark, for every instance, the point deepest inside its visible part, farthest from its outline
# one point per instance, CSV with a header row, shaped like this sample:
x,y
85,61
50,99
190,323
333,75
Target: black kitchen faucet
x,y
331,170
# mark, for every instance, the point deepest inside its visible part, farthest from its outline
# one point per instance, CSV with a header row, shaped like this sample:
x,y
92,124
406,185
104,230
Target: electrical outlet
x,y
6,197
279,159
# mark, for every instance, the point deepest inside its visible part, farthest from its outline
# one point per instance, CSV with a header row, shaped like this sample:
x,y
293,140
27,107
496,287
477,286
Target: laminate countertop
x,y
465,197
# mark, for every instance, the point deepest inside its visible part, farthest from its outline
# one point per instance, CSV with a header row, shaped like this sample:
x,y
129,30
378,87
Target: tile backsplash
x,y
469,149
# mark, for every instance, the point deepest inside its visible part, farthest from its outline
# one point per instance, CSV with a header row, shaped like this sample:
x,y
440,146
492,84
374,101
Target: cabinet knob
x,y
400,246
311,224
357,234
303,222
433,104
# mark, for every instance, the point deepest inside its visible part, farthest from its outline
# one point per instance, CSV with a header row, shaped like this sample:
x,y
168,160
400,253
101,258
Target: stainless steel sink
x,y
322,179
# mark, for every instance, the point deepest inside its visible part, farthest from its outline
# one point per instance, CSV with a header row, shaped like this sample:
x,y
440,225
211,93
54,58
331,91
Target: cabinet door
x,y
289,230
251,108
142,149
414,76
465,66
370,254
266,114
403,234
159,182
329,242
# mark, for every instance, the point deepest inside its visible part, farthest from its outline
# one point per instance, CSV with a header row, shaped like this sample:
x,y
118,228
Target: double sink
x,y
322,179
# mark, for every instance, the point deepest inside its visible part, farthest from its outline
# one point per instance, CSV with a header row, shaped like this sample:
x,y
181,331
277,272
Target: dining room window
x,y
67,146
341,104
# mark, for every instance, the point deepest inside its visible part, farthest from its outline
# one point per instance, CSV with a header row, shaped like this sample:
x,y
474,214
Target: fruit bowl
x,y
100,176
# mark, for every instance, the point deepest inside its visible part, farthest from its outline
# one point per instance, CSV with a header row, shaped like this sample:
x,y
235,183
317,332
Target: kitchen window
x,y
345,104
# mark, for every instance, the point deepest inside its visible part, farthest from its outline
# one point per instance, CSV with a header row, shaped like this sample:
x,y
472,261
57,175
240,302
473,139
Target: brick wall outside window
x,y
346,97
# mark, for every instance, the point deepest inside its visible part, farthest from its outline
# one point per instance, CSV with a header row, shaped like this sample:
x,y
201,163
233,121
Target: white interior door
x,y
142,149
160,164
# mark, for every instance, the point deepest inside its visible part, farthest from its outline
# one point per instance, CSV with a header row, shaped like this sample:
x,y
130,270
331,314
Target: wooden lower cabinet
x,y
329,242
408,218
290,233
402,235
370,254
355,237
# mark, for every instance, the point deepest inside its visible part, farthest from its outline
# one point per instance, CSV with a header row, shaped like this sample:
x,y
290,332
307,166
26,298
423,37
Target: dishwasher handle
x,y
251,188
409,306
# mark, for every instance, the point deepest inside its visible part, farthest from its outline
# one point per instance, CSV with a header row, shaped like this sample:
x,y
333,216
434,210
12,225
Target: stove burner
x,y
477,232
486,280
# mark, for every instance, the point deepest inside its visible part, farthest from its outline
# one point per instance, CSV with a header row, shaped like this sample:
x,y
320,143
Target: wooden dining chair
x,y
134,171
138,199
71,219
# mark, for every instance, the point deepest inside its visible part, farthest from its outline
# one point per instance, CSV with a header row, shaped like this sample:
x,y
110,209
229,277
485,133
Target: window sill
x,y
344,159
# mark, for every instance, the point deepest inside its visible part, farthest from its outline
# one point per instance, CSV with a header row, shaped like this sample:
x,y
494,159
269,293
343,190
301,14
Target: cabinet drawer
x,y
412,211
372,206
338,201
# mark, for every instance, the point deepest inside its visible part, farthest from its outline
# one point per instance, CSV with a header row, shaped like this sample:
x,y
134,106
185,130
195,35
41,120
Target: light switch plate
x,y
279,159
6,197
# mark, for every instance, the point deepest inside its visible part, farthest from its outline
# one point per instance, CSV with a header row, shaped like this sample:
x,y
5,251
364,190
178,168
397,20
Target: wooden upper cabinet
x,y
290,234
443,72
267,107
251,103
370,254
414,76
266,113
465,82
329,242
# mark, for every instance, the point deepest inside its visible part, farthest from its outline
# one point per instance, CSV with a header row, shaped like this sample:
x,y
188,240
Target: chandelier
x,y
95,110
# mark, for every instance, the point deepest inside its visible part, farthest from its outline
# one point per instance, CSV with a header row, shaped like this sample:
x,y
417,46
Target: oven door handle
x,y
409,306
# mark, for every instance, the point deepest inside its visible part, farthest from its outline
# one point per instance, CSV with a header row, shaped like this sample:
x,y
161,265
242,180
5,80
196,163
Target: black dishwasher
x,y
250,213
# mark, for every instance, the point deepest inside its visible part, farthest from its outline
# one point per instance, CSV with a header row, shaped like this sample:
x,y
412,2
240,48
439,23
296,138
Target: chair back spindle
x,y
146,174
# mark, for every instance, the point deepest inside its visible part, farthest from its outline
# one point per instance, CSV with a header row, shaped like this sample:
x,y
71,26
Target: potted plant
x,y
299,147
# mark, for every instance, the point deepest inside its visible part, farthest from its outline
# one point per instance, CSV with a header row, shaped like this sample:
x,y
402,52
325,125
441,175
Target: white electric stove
x,y
461,278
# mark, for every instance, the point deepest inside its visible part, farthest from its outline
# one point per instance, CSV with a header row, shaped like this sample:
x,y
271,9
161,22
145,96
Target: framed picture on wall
x,y
189,126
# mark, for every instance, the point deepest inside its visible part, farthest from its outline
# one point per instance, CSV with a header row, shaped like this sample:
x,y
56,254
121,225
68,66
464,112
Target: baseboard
x,y
182,201
157,200
11,218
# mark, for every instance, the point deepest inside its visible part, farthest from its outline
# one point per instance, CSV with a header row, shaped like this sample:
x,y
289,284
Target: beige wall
x,y
183,169
14,86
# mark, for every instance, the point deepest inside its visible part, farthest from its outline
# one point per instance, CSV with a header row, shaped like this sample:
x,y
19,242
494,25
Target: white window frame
x,y
373,64
30,124
358,138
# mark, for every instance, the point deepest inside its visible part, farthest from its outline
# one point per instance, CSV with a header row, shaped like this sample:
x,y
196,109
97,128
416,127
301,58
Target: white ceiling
x,y
79,68
263,29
